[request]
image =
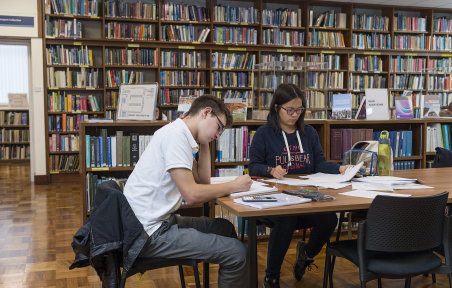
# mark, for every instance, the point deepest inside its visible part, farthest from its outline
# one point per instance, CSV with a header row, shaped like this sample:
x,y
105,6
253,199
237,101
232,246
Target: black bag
x,y
443,158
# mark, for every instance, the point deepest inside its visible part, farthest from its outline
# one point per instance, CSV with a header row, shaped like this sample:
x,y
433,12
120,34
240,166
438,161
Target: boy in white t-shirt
x,y
168,172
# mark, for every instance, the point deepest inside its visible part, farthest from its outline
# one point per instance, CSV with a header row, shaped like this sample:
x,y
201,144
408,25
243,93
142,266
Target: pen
x,y
256,178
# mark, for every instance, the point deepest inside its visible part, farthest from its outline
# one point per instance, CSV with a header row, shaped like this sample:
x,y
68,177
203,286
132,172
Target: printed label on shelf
x,y
328,52
410,54
372,53
237,49
100,169
284,50
446,55
186,47
133,45
78,43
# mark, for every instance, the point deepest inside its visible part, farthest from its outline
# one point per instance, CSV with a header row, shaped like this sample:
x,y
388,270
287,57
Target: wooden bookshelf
x,y
14,136
97,39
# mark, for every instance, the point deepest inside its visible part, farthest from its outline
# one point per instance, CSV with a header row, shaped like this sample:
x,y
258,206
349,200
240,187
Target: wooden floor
x,y
36,228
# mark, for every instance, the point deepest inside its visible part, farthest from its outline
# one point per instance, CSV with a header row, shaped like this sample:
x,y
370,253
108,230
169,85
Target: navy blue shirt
x,y
269,149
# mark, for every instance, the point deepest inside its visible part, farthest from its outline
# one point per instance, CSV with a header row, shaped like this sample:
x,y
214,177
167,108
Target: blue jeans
x,y
281,234
207,239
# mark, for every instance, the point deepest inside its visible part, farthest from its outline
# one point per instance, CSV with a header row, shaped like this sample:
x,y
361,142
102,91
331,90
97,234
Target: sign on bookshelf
x,y
17,100
137,102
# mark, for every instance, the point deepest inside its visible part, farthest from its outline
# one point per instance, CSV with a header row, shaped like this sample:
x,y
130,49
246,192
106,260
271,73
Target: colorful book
x,y
237,107
403,107
430,106
342,106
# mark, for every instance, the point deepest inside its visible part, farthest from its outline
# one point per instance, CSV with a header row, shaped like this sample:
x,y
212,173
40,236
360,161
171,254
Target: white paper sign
x,y
17,100
137,102
377,104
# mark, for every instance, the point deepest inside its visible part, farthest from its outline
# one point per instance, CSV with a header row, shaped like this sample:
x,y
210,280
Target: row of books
x,y
234,145
401,142
410,42
365,63
438,135
234,35
110,115
404,81
13,118
65,122
63,28
171,96
111,99
184,12
187,33
409,64
72,7
330,18
15,152
225,172
135,31
333,62
114,151
69,78
326,39
440,43
67,143
94,180
131,56
182,78
61,55
63,163
73,103
276,36
370,22
232,94
408,23
404,165
273,81
316,80
439,63
182,59
282,17
371,41
439,82
315,99
344,139
442,24
359,82
8,135
137,10
232,14
231,79
228,60
114,78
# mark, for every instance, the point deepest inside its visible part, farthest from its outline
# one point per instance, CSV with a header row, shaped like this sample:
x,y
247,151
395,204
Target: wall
x,y
31,35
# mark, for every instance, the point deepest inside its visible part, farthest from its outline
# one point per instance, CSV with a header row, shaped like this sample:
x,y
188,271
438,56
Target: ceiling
x,y
412,3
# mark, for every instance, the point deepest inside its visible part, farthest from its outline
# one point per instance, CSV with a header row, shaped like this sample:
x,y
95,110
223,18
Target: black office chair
x,y
397,240
443,158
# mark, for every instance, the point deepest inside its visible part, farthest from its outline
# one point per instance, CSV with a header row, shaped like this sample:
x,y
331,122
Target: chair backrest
x,y
399,224
443,158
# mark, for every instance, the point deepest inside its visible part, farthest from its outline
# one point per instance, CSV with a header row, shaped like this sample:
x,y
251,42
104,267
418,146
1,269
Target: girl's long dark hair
x,y
283,94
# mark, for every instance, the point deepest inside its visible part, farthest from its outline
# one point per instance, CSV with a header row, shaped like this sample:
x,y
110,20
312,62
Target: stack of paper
x,y
256,187
282,200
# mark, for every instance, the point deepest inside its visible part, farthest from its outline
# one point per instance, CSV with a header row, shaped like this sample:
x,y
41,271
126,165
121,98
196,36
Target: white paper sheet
x,y
350,172
370,186
282,200
286,181
255,189
371,194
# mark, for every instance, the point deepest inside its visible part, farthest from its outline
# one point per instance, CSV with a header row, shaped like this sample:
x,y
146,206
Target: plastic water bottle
x,y
384,154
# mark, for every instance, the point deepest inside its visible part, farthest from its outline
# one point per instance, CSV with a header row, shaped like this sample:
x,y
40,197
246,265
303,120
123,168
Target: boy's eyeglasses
x,y
220,126
292,111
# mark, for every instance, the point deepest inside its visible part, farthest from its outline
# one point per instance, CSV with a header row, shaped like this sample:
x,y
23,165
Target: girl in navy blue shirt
x,y
286,145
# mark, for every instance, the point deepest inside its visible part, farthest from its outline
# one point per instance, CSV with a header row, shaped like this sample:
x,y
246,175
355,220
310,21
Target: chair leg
x,y
326,272
450,280
408,282
379,282
195,271
331,268
181,274
363,284
349,228
434,278
304,234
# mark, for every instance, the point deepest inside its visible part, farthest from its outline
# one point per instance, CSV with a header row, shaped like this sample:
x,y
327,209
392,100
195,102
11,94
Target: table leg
x,y
252,252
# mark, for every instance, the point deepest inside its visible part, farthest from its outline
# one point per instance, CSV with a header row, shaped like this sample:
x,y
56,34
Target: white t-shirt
x,y
150,190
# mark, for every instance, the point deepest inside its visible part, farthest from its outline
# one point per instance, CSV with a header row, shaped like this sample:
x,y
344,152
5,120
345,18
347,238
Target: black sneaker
x,y
302,262
271,283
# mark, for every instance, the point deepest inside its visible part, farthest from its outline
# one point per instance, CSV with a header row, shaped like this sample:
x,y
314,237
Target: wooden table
x,y
439,178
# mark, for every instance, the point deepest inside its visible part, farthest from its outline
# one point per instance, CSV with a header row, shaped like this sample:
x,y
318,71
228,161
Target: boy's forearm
x,y
204,164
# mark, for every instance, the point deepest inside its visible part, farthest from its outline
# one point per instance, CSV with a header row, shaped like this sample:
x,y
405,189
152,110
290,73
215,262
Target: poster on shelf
x,y
137,101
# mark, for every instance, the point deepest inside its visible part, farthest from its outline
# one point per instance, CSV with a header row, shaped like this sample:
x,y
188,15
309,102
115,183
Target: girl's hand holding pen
x,y
278,172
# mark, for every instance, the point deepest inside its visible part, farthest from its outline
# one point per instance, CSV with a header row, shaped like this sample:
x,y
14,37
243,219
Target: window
x,y
13,70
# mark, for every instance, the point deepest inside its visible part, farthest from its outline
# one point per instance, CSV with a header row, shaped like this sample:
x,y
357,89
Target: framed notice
x,y
17,100
137,101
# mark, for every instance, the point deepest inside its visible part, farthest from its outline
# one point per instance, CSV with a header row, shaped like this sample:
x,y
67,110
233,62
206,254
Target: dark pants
x,y
281,234
207,239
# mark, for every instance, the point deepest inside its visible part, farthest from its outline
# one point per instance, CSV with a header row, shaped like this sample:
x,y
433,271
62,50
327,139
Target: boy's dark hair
x,y
283,94
217,105
160,112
